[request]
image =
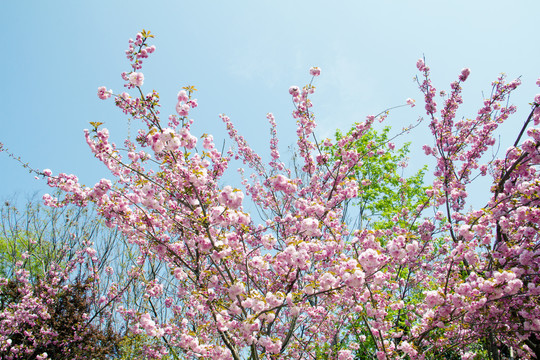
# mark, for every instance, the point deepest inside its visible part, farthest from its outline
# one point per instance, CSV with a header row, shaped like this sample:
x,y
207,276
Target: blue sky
x,y
243,56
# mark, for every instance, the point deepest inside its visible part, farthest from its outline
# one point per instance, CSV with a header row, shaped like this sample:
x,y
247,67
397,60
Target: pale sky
x,y
243,56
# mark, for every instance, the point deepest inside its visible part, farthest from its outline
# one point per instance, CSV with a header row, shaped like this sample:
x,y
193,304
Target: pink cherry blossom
x,y
136,79
345,355
103,93
294,90
464,74
315,71
182,96
420,65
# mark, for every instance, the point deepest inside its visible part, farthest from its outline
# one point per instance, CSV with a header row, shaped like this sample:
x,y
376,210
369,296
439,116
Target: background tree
x,y
54,289
383,187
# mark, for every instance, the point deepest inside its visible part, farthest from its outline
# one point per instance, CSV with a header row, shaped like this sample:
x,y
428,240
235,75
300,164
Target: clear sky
x,y
243,56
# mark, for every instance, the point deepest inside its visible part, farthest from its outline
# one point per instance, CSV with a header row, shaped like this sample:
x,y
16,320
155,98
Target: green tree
x,y
383,187
49,236
38,247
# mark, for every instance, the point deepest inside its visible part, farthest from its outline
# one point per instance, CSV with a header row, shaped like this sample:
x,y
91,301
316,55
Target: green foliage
x,y
50,236
34,236
386,191
13,247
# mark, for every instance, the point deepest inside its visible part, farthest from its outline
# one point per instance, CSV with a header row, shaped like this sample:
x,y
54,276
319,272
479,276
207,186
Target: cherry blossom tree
x,y
298,281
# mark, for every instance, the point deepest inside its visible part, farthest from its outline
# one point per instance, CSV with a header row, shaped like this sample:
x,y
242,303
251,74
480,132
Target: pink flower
x,y
236,290
268,241
536,116
420,65
231,197
103,94
433,298
327,281
281,183
182,109
412,248
410,102
464,74
136,78
345,355
538,82
356,279
407,348
154,289
465,231
91,252
183,96
208,142
294,90
513,286
179,273
310,227
149,325
271,346
369,259
315,71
